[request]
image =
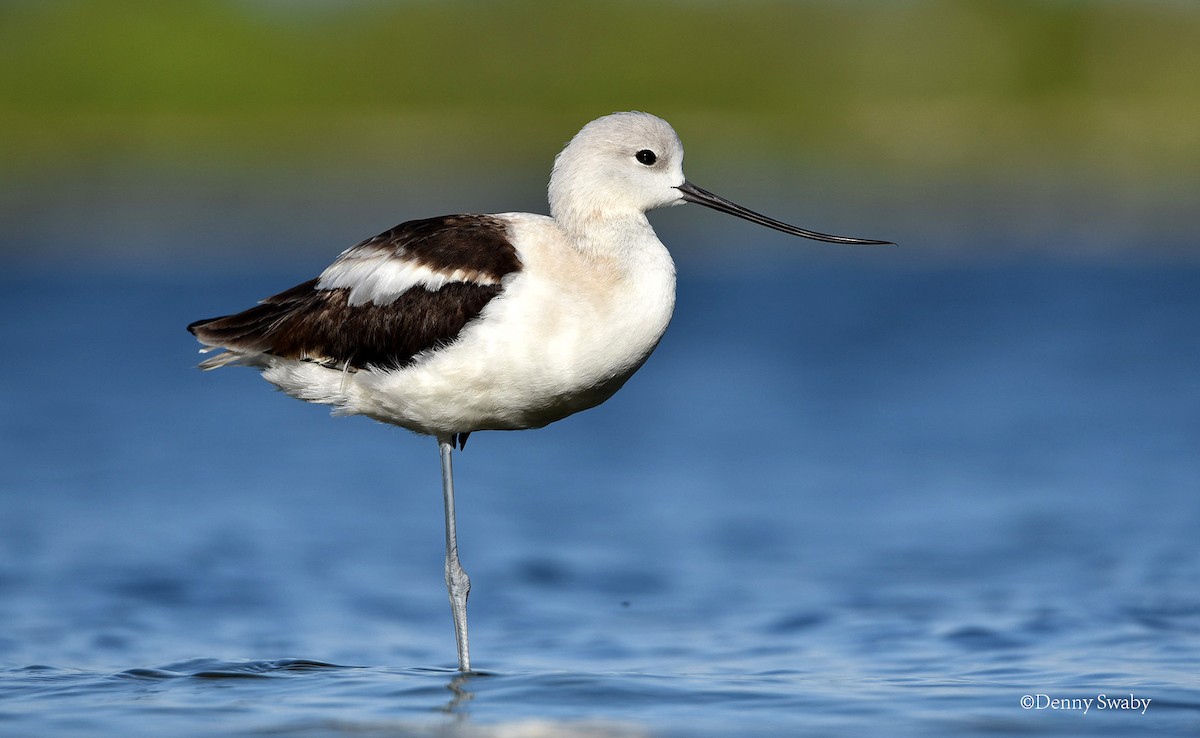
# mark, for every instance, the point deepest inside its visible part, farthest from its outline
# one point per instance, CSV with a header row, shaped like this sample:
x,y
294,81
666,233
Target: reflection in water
x,y
462,695
459,724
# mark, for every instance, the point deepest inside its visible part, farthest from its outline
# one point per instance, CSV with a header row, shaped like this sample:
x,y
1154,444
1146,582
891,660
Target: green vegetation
x,y
936,87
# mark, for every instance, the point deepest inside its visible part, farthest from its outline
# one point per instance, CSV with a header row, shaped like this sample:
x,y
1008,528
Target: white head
x,y
619,166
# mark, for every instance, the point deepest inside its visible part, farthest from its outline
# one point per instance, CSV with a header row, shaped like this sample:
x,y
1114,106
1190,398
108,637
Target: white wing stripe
x,y
381,278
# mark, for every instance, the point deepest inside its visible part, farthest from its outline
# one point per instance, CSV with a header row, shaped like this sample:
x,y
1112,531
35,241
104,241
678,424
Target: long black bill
x,y
692,193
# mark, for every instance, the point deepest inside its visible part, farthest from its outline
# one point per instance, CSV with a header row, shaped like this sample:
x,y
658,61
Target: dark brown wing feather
x,y
320,325
473,243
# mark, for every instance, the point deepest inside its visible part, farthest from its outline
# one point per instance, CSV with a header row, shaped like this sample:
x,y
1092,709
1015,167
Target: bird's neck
x,y
623,237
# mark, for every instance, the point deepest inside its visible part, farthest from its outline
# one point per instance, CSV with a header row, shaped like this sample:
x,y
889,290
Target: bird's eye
x,y
646,156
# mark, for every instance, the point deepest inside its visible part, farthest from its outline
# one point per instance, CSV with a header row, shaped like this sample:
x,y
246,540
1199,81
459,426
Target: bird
x,y
461,323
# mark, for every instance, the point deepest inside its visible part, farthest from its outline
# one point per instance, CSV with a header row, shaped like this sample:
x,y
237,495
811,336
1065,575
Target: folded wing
x,y
381,304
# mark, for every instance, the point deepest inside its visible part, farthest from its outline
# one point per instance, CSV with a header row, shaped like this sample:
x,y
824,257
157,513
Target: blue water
x,y
838,500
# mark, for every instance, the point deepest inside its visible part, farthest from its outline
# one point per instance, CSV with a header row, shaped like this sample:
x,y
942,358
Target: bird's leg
x,y
457,582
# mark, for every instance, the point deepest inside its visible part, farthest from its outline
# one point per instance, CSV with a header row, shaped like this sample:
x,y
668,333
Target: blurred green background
x,y
167,133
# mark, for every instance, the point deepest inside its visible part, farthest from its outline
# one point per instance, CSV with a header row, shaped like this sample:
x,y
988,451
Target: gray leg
x,y
457,581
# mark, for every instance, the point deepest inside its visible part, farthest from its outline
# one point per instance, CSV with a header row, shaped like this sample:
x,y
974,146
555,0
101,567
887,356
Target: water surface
x,y
838,500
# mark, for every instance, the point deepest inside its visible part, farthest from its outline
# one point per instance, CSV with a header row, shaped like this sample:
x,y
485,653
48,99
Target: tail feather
x,y
226,358
247,335
245,331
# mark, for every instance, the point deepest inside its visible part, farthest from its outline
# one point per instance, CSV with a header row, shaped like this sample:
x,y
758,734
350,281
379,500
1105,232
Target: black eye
x,y
646,156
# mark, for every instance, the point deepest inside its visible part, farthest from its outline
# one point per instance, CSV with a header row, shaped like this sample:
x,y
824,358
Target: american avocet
x,y
463,323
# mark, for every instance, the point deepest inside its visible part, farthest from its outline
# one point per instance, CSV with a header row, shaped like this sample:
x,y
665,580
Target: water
x,y
839,500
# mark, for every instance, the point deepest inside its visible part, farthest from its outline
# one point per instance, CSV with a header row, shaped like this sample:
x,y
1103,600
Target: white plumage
x,y
564,334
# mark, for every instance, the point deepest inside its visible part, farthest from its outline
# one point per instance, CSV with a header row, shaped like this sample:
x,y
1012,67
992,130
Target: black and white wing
x,y
381,303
